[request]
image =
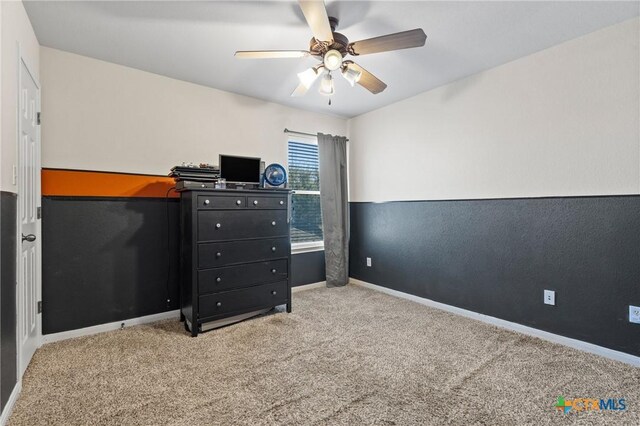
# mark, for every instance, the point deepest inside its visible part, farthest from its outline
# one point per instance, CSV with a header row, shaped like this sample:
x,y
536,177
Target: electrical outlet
x,y
549,297
368,261
634,314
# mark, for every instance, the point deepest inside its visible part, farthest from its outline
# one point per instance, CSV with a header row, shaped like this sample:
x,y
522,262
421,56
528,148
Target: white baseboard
x,y
308,286
87,331
8,409
530,331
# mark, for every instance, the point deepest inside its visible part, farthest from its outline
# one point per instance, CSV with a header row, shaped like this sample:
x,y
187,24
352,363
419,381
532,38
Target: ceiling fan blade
x,y
316,15
271,54
368,80
397,41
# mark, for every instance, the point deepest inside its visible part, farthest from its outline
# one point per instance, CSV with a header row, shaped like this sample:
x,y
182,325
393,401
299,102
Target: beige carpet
x,y
346,356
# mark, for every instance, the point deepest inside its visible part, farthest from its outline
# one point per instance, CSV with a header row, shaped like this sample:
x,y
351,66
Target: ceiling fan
x,y
331,48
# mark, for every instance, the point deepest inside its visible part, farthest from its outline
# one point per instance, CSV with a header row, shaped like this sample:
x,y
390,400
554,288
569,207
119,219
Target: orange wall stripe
x,y
78,183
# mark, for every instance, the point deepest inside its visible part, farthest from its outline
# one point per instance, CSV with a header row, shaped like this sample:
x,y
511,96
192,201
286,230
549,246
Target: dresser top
x,y
238,191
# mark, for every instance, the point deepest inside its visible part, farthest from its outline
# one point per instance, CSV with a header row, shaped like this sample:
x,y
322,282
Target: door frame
x,y
20,368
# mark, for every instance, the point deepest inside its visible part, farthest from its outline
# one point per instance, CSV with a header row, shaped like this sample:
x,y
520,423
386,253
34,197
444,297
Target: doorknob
x,y
30,237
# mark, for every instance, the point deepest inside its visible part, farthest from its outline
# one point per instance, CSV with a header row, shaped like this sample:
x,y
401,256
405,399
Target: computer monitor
x,y
240,169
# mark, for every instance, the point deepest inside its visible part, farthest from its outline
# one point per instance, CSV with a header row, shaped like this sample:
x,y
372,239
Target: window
x,y
304,179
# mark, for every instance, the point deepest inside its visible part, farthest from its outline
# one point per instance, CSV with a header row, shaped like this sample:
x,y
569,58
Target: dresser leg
x,y
193,331
182,317
289,307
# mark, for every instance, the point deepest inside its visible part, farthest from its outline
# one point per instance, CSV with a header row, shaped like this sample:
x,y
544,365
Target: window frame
x,y
307,246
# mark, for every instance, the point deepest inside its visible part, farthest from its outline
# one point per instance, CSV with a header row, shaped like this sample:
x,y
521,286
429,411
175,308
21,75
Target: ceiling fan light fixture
x,y
351,75
326,85
308,77
332,60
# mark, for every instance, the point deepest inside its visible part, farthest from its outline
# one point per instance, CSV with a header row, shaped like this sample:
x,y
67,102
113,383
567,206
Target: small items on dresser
x,y
274,176
191,172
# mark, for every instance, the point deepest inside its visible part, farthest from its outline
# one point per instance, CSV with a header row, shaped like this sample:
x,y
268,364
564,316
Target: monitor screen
x,y
240,169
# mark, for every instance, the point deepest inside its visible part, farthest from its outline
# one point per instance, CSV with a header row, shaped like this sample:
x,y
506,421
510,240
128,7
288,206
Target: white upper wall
x,y
564,121
1,164
16,30
102,116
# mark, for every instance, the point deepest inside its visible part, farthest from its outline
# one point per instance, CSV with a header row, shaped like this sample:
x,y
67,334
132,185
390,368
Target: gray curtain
x,y
334,204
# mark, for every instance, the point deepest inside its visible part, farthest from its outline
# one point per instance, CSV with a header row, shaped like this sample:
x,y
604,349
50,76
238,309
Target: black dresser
x,y
236,253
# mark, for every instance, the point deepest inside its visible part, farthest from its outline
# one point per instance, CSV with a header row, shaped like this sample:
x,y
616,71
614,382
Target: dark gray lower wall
x,y
108,259
8,255
307,268
496,257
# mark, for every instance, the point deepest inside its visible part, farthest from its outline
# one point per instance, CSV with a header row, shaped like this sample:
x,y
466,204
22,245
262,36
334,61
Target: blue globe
x,y
275,174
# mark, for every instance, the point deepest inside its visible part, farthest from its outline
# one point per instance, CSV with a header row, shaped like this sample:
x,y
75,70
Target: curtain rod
x,y
302,133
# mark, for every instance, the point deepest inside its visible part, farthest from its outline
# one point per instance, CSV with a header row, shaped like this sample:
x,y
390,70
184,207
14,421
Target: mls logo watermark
x,y
577,405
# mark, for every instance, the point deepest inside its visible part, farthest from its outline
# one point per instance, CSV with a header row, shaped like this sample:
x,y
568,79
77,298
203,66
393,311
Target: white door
x,y
28,226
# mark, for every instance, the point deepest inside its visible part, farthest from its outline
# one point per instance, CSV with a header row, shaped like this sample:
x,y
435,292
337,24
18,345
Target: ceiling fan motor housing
x,y
340,42
319,48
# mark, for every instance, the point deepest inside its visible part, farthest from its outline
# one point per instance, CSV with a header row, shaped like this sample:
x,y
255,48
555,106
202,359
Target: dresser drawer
x,y
244,300
267,202
237,225
239,276
213,255
207,202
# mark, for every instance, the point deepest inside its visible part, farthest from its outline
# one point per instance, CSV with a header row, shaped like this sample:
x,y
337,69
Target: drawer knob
x,y
219,304
273,292
238,202
255,202
206,202
273,249
218,254
273,223
281,203
203,186
273,271
218,279
218,225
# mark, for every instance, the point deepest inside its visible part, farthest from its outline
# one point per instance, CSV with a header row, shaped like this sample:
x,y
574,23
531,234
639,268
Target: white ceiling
x,y
195,41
